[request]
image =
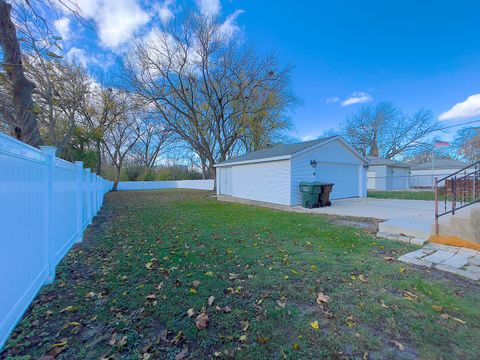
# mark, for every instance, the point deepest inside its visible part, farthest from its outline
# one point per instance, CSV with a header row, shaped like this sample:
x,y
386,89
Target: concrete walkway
x,y
384,209
456,260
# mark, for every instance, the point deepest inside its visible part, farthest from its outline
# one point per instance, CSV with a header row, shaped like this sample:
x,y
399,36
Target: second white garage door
x,y
344,176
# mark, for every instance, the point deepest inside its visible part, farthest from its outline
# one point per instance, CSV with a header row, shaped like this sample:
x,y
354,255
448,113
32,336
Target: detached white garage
x,y
273,175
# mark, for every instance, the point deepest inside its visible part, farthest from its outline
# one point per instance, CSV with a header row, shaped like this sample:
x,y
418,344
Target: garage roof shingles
x,y
277,150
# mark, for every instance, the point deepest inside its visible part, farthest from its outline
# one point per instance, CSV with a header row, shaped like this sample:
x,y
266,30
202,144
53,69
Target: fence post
x,y
79,165
49,152
88,186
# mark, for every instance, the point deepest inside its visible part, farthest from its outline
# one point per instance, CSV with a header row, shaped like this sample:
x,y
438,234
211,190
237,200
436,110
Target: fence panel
x,y
174,184
44,203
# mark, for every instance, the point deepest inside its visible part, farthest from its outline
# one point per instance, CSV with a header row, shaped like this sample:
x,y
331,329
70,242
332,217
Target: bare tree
x,y
103,107
153,137
207,90
385,132
467,143
122,134
22,120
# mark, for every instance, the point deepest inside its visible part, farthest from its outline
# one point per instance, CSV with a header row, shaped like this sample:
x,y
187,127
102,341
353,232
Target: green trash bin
x,y
310,192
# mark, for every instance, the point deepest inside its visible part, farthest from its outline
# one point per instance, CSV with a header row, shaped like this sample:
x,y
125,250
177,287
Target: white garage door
x,y
344,176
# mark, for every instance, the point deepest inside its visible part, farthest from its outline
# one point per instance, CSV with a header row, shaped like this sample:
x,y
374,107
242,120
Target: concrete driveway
x,y
384,209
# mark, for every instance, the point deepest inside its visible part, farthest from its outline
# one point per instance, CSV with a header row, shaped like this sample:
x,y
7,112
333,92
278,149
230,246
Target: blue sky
x,y
345,53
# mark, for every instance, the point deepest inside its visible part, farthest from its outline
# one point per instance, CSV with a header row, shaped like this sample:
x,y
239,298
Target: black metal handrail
x,y
459,171
464,190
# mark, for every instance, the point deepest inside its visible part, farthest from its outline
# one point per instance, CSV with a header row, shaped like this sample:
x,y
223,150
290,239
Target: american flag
x,y
439,144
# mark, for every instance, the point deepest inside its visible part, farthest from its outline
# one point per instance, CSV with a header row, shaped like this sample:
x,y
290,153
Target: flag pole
x,y
433,164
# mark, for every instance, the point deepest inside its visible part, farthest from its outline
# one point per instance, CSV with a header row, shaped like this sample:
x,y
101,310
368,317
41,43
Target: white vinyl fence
x,y
45,204
175,184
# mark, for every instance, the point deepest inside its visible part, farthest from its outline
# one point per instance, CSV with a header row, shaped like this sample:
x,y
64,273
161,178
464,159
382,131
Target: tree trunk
x,y
25,126
99,157
117,178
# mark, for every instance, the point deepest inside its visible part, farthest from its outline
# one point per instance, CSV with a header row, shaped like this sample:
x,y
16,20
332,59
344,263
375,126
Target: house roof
x,y
280,151
380,161
439,164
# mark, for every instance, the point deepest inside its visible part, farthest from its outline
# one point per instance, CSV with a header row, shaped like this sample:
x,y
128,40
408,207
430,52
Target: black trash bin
x,y
324,196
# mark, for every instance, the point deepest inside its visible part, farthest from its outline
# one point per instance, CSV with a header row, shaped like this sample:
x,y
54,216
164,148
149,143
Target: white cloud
x,y
116,20
308,138
81,57
465,109
332,100
164,11
62,25
357,97
77,56
229,27
209,8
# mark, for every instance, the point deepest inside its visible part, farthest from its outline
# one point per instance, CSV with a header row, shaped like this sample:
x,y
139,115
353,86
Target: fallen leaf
x,y
195,283
322,298
178,338
151,297
402,270
123,341
211,299
459,320
48,314
281,304
389,258
262,340
245,325
190,312
232,276
209,273
437,308
227,309
350,321
192,291
149,265
296,346
201,322
383,304
409,296
398,345
60,344
69,309
314,325
182,354
243,338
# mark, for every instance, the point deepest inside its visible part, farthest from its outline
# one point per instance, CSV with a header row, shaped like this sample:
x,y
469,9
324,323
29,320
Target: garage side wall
x,y
265,181
336,163
377,177
398,178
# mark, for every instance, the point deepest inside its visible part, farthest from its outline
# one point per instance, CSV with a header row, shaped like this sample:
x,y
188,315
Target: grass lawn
x,y
126,291
406,195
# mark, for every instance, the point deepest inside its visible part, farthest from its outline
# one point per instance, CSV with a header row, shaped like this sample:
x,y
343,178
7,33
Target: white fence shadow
x,y
45,205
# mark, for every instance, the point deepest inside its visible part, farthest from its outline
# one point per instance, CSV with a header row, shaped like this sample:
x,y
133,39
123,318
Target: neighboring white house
x,y
273,175
423,175
386,174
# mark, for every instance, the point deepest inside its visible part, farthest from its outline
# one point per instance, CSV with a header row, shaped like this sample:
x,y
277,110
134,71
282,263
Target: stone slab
x,y
439,256
414,260
457,260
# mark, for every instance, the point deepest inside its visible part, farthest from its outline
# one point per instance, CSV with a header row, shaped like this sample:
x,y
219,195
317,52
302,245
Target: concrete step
x,y
414,228
465,224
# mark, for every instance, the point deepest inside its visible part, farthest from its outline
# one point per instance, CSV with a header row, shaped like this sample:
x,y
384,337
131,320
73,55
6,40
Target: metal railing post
x,y
436,206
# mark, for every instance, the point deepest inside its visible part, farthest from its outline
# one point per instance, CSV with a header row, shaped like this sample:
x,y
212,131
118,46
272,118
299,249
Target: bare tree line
x,y
190,83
